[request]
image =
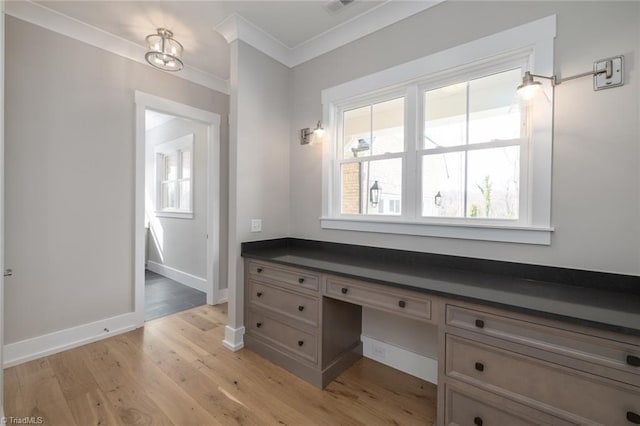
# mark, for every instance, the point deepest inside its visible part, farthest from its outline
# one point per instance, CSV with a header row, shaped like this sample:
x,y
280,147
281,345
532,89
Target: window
x,y
372,150
442,146
470,158
174,172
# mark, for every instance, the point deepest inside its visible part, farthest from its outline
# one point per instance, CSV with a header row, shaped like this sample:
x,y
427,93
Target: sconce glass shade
x,y
529,86
374,194
164,52
319,130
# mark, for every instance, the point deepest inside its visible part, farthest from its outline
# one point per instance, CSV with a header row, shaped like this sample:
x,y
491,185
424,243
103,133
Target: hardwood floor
x,y
175,371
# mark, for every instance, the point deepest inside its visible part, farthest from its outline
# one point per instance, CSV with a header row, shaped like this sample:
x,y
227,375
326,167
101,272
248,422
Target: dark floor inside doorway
x,y
164,296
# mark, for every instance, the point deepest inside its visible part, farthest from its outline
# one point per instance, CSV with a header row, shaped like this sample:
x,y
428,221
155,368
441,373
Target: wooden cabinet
x,y
576,374
496,366
285,317
469,406
398,301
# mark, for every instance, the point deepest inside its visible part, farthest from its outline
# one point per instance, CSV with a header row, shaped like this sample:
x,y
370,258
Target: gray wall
x,y
70,127
596,160
259,157
176,242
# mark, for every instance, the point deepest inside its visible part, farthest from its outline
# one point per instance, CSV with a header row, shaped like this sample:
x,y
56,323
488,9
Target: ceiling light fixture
x,y
164,52
306,133
607,73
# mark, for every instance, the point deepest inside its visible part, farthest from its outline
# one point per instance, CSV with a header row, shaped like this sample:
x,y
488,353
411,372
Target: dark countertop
x,y
597,299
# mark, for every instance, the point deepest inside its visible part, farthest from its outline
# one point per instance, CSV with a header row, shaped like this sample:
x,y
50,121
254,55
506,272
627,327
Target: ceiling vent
x,y
335,6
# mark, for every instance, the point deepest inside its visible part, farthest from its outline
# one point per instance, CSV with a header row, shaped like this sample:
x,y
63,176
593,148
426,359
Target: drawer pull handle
x,y
479,366
300,342
344,290
301,308
259,294
477,421
402,303
479,323
300,280
633,417
258,324
259,270
633,360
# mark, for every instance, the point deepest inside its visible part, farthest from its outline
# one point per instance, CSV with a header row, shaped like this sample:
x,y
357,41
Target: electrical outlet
x,y
256,225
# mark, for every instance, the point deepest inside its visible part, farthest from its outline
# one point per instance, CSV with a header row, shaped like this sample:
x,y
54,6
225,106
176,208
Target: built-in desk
x,y
518,344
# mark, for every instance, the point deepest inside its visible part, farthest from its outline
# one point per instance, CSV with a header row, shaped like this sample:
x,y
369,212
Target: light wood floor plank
x,y
41,395
93,409
175,371
130,401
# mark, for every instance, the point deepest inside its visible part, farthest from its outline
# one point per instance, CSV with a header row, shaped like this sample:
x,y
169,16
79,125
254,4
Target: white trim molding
x,y
236,27
2,265
233,338
223,296
531,46
182,277
401,359
144,101
58,341
52,20
506,234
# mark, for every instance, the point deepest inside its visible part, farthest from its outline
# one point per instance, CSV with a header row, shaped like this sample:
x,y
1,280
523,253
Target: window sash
x,y
411,199
175,183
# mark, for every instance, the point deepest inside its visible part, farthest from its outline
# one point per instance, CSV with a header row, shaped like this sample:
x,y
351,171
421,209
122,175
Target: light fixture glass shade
x,y
319,130
529,86
164,52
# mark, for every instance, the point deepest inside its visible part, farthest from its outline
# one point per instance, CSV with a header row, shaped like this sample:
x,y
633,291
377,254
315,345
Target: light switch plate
x,y
600,81
256,225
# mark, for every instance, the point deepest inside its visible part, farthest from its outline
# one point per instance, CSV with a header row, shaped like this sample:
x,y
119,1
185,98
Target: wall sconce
x,y
164,52
306,134
363,145
374,193
437,200
607,73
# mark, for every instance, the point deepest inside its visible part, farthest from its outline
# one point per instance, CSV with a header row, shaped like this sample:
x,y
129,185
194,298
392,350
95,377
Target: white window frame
x,y
530,45
176,147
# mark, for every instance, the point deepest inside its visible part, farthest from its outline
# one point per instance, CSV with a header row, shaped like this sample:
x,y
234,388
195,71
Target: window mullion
x,y
178,176
466,157
410,187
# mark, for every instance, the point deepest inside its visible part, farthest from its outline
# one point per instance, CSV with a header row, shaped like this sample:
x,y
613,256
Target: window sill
x,y
482,232
175,215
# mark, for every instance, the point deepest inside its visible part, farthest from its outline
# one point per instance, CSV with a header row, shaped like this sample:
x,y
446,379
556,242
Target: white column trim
x,y
233,338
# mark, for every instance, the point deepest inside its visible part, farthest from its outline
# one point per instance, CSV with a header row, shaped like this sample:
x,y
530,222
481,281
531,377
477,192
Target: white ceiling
x,y
288,23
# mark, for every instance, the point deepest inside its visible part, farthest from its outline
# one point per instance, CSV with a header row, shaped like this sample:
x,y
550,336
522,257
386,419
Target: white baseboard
x,y
58,341
233,338
223,296
409,362
178,275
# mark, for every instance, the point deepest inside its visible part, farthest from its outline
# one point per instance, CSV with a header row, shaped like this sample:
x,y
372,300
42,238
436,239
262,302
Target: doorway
x,y
177,207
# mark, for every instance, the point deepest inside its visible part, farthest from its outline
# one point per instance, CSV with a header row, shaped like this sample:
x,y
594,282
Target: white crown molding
x,y
375,19
235,27
55,21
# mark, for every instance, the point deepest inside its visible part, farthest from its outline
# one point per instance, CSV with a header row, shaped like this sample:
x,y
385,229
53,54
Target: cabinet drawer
x,y
470,406
390,299
585,397
281,275
284,337
596,350
293,305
